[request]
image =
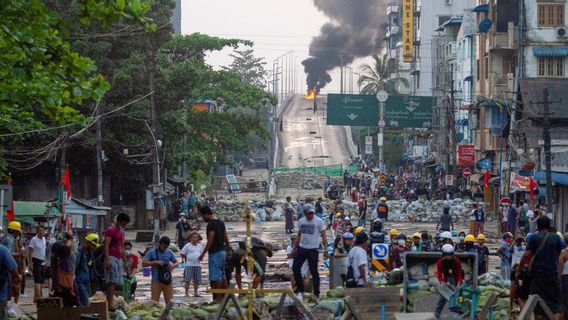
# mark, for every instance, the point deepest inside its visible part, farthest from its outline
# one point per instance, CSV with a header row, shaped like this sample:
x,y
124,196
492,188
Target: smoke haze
x,y
354,31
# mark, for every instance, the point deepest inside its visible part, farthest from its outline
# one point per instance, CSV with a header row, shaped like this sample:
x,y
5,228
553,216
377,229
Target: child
x,y
192,272
133,261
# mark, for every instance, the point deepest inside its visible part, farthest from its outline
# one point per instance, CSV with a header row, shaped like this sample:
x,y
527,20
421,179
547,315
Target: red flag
x,y
66,182
532,186
486,179
10,214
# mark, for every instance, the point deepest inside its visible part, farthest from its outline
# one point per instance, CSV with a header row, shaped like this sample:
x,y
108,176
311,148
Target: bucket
x,y
147,271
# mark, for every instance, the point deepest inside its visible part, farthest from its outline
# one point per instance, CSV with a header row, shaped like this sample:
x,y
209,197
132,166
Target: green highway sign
x,y
409,112
352,110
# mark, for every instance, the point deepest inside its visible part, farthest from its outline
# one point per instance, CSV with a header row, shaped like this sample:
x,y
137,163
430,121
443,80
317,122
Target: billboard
x,y
407,30
352,110
409,112
466,155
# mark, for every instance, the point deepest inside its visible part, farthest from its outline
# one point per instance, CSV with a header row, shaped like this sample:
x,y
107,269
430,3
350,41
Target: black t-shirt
x,y
218,227
546,261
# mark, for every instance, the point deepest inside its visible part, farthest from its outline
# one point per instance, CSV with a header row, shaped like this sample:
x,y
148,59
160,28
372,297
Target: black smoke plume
x,y
355,31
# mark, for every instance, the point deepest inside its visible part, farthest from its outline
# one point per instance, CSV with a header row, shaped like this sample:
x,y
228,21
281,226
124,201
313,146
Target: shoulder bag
x,y
164,275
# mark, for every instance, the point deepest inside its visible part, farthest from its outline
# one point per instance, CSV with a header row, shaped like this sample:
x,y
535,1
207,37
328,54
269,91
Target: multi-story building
x,y
542,66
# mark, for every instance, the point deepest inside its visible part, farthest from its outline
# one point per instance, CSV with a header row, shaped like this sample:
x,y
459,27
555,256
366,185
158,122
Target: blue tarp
x,y
557,177
550,51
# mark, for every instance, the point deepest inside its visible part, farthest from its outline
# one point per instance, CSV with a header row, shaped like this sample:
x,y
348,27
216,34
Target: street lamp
x,y
157,187
382,96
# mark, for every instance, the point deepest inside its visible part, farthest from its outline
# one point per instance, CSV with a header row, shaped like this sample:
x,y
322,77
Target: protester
x,y
192,272
307,244
425,242
163,261
183,229
63,271
319,208
115,260
541,256
383,209
446,222
532,216
504,254
289,216
217,247
393,235
358,260
479,221
512,220
348,241
37,249
238,260
460,246
132,264
470,244
482,255
473,219
563,276
290,252
84,268
10,241
416,243
523,209
48,243
8,274
362,204
448,271
396,253
517,249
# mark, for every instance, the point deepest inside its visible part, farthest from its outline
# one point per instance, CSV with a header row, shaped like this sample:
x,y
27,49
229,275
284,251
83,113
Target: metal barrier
x,y
332,171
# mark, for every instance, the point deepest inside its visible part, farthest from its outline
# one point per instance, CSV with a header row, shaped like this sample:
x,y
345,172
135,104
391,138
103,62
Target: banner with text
x,y
408,30
466,155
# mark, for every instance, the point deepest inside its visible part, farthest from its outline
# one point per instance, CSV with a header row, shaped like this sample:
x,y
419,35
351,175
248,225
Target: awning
x,y
462,122
557,177
81,207
481,8
26,211
451,21
550,51
468,78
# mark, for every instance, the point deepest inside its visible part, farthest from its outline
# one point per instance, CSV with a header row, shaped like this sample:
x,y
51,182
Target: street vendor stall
x,y
86,217
32,213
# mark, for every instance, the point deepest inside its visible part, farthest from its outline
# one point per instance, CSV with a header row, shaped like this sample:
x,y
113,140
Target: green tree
x,y
378,76
248,67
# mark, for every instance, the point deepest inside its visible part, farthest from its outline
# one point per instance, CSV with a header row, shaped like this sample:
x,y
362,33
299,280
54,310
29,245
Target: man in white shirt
x,y
311,228
37,250
359,261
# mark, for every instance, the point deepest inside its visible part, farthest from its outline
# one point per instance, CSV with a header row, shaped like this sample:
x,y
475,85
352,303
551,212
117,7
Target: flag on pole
x,y
486,179
10,213
66,182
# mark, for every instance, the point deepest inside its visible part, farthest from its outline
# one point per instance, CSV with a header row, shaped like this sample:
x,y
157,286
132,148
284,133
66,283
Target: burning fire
x,y
311,95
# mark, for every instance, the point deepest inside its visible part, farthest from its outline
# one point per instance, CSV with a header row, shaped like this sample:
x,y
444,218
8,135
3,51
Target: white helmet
x,y
448,249
446,235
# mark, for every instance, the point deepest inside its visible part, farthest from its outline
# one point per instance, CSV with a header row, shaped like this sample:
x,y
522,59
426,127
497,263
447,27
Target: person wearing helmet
x,y
460,246
85,268
37,249
358,230
11,241
504,253
393,234
482,255
377,225
311,228
449,271
416,246
396,252
383,209
470,243
446,222
348,241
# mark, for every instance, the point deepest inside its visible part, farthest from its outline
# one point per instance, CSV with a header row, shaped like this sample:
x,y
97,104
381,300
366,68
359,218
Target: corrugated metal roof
x,y
550,51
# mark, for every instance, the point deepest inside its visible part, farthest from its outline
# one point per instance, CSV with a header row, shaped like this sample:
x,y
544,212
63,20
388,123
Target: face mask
x,y
128,252
401,242
461,238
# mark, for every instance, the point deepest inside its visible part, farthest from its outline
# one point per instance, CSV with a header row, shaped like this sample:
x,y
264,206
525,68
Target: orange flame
x,y
311,95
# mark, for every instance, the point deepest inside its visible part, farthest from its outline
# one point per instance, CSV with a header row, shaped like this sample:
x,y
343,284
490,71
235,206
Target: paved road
x,y
306,140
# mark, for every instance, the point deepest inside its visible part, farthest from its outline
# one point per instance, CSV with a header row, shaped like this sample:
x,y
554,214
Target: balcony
x,y
393,9
502,40
501,86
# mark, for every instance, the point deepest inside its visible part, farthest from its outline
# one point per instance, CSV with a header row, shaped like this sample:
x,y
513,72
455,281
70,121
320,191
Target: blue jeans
x,y
300,257
217,262
84,293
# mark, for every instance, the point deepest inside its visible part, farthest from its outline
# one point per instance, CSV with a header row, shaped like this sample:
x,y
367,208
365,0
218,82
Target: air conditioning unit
x,y
561,33
448,2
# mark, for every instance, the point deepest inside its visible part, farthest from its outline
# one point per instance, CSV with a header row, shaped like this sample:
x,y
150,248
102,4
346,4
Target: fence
x,y
332,171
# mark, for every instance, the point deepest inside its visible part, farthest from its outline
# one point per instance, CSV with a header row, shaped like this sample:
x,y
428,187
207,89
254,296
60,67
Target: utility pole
x,y
452,125
156,183
547,155
341,77
99,151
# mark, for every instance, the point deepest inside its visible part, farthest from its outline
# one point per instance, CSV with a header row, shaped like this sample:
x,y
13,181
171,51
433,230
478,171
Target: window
x,y
551,67
486,67
550,15
477,70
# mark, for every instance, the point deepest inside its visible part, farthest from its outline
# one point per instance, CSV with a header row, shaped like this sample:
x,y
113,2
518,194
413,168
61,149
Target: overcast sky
x,y
275,26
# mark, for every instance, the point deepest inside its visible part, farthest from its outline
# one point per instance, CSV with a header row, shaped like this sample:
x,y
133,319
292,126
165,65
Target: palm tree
x,y
376,78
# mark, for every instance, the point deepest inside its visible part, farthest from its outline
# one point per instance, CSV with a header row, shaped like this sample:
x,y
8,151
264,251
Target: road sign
x,y
383,178
409,112
382,123
369,140
380,256
352,110
233,185
466,172
368,149
7,197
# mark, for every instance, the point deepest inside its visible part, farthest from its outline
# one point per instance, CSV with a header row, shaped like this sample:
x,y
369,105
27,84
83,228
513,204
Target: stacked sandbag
x,y
423,210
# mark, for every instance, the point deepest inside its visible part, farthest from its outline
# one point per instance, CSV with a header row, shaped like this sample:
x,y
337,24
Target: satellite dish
x,y
485,25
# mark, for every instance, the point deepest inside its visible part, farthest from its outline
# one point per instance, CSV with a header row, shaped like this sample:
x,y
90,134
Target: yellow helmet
x,y
469,238
383,199
337,215
358,230
416,235
393,232
480,236
15,225
93,238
